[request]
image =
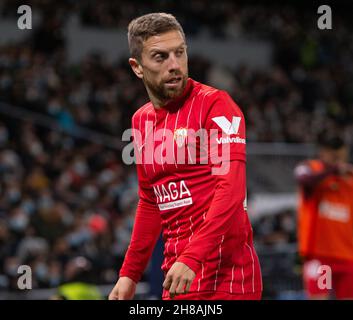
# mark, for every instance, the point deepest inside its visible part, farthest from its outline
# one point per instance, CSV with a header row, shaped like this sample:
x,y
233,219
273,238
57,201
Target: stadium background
x,y
67,94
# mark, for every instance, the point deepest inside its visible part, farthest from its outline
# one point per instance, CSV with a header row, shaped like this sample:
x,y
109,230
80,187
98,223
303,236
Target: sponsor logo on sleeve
x,y
229,128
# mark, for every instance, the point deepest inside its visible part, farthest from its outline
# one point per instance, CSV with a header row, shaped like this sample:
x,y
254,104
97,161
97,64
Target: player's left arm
x,y
228,200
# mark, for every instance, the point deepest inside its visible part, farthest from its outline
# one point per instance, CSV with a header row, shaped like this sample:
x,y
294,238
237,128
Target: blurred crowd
x,y
308,87
276,230
63,197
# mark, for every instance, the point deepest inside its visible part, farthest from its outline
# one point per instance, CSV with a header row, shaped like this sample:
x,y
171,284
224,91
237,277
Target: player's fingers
x,y
181,286
113,296
188,285
173,287
122,295
167,282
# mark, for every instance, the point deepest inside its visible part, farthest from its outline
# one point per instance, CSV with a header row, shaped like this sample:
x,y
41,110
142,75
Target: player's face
x,y
164,64
335,157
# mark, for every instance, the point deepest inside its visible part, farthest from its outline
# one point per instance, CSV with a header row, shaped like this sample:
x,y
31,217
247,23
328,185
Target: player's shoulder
x,y
141,112
210,97
206,93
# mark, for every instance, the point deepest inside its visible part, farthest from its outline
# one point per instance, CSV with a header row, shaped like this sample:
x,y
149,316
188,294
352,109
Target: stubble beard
x,y
163,93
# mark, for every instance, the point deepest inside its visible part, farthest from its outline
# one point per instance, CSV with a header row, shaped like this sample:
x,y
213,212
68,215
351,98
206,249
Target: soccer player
x,y
197,199
325,221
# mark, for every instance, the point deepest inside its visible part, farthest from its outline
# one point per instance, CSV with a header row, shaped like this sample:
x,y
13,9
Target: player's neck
x,y
157,102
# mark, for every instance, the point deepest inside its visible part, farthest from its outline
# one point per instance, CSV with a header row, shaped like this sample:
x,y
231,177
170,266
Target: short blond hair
x,y
146,26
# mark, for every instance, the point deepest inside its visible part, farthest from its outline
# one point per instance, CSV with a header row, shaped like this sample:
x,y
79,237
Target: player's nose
x,y
174,63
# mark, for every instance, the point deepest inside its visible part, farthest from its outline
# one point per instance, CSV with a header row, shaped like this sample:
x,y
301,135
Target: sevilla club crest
x,y
180,136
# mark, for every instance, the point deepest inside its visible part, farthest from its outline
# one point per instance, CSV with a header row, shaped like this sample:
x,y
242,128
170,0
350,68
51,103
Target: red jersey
x,y
202,215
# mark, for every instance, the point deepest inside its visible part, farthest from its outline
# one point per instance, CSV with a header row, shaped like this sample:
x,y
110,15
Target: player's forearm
x,y
221,216
147,228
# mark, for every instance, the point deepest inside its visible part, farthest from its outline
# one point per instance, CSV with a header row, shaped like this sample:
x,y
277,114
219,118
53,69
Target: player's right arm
x,y
146,231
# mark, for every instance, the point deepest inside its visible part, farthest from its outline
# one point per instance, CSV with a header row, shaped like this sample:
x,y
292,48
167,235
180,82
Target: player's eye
x,y
180,52
159,57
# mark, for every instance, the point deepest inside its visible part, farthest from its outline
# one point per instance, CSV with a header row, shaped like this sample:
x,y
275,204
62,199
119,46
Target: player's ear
x,y
136,67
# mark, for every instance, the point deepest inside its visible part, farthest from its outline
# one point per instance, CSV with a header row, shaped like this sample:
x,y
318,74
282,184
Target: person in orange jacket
x,y
325,220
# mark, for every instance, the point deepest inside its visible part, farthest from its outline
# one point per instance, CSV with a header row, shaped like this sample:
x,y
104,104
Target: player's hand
x,y
178,279
124,289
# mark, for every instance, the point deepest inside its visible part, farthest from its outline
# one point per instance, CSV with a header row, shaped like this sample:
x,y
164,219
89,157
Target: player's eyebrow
x,y
160,50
